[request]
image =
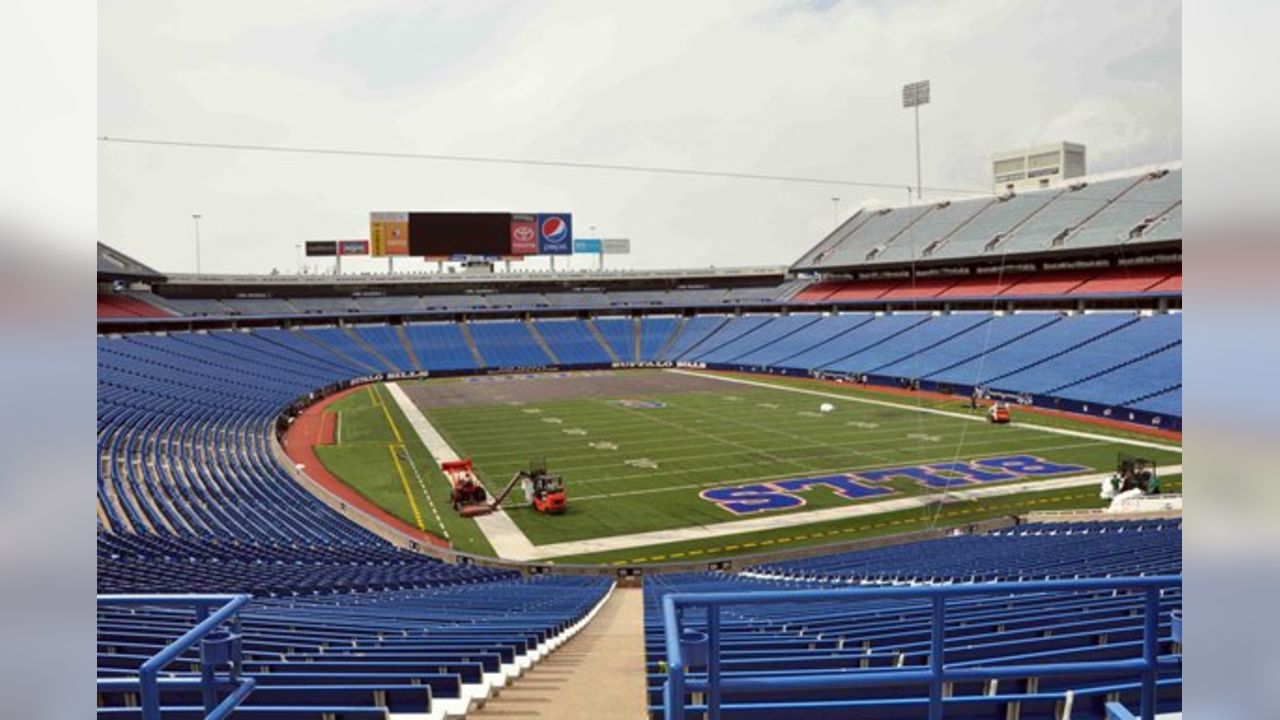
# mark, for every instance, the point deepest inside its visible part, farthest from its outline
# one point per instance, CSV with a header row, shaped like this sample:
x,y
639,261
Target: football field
x,y
644,451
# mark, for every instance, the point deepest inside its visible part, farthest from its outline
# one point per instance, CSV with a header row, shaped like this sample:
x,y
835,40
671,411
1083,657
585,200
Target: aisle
x,y
597,674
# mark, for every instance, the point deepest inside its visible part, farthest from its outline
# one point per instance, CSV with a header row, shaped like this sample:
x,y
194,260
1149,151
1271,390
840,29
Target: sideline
x,y
311,474
760,524
933,411
508,541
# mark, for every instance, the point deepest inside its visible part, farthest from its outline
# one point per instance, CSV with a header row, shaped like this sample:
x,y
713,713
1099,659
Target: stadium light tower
x,y
835,212
913,96
196,218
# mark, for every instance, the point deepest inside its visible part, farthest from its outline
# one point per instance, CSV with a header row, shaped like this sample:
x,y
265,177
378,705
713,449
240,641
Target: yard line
x,y
408,492
931,411
507,540
422,484
712,436
629,447
805,442
782,476
736,527
387,414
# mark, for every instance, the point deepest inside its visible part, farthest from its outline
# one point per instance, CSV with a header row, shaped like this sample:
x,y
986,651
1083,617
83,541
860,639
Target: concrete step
x,y
598,673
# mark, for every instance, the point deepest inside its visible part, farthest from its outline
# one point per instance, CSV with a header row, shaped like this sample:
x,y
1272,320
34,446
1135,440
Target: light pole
x,y
913,96
835,212
196,218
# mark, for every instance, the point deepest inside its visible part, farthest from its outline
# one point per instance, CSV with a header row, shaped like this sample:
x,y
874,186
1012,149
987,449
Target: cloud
x,y
757,86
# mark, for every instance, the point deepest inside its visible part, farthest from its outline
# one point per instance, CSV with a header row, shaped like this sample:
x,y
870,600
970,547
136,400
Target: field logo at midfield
x,y
785,494
640,404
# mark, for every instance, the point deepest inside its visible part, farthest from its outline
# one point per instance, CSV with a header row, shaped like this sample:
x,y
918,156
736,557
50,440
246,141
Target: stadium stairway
x,y
471,345
1063,351
593,325
675,331
407,347
401,654
635,340
315,335
600,672
541,341
382,343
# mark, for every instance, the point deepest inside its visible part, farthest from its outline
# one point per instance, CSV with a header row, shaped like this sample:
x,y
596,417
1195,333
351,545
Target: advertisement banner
x,y
353,247
555,234
524,234
322,248
389,233
587,245
616,246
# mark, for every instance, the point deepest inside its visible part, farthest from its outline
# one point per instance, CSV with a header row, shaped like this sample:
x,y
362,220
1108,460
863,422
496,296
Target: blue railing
x,y
218,648
704,648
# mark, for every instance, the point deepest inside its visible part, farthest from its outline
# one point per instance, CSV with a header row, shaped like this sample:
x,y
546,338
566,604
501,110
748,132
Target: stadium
x,y
931,468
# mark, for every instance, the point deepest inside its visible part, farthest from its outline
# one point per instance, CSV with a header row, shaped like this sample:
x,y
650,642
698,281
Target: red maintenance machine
x,y
998,413
469,498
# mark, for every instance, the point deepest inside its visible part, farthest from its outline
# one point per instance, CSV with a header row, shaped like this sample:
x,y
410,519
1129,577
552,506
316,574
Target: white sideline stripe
x,y
932,411
736,527
498,528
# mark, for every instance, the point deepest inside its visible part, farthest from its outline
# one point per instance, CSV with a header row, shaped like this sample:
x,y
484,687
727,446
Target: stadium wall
x,y
1118,414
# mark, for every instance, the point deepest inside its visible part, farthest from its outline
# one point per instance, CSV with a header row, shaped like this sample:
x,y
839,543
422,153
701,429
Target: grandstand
x,y
310,599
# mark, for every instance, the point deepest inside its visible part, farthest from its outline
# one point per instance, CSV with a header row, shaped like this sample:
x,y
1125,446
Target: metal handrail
x,y
937,673
148,681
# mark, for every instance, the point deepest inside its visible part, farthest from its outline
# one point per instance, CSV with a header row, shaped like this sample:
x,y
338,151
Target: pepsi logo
x,y
555,229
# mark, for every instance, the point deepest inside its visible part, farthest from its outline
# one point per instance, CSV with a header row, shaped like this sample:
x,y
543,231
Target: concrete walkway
x,y
597,674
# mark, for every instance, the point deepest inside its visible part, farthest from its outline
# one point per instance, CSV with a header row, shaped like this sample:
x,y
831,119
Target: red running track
x,y
316,427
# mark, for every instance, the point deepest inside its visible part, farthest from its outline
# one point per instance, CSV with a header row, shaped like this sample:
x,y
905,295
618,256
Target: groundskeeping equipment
x,y
999,413
469,497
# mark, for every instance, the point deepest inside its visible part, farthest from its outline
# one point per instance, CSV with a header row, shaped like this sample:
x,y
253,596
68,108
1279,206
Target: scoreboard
x,y
459,233
470,234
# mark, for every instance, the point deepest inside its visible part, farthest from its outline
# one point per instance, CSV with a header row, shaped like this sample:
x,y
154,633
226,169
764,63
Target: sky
x,y
806,88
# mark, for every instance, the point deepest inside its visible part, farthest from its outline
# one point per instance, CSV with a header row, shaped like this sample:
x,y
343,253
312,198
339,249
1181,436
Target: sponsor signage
x,y
353,247
587,245
389,233
616,246
524,234
322,248
471,234
555,234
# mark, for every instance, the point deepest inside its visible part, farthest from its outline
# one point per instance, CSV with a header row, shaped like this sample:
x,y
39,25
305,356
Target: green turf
x,y
363,459
733,435
845,530
729,437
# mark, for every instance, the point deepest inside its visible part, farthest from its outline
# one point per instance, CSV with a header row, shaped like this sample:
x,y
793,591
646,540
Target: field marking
x,y
507,540
408,492
423,484
841,470
761,524
387,414
921,454
691,431
933,411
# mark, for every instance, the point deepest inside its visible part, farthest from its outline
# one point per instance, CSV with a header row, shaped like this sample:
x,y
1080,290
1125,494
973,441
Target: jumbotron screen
x,y
459,233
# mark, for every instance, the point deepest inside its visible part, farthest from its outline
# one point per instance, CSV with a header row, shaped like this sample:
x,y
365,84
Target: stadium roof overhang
x,y
1039,260
115,265
185,285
